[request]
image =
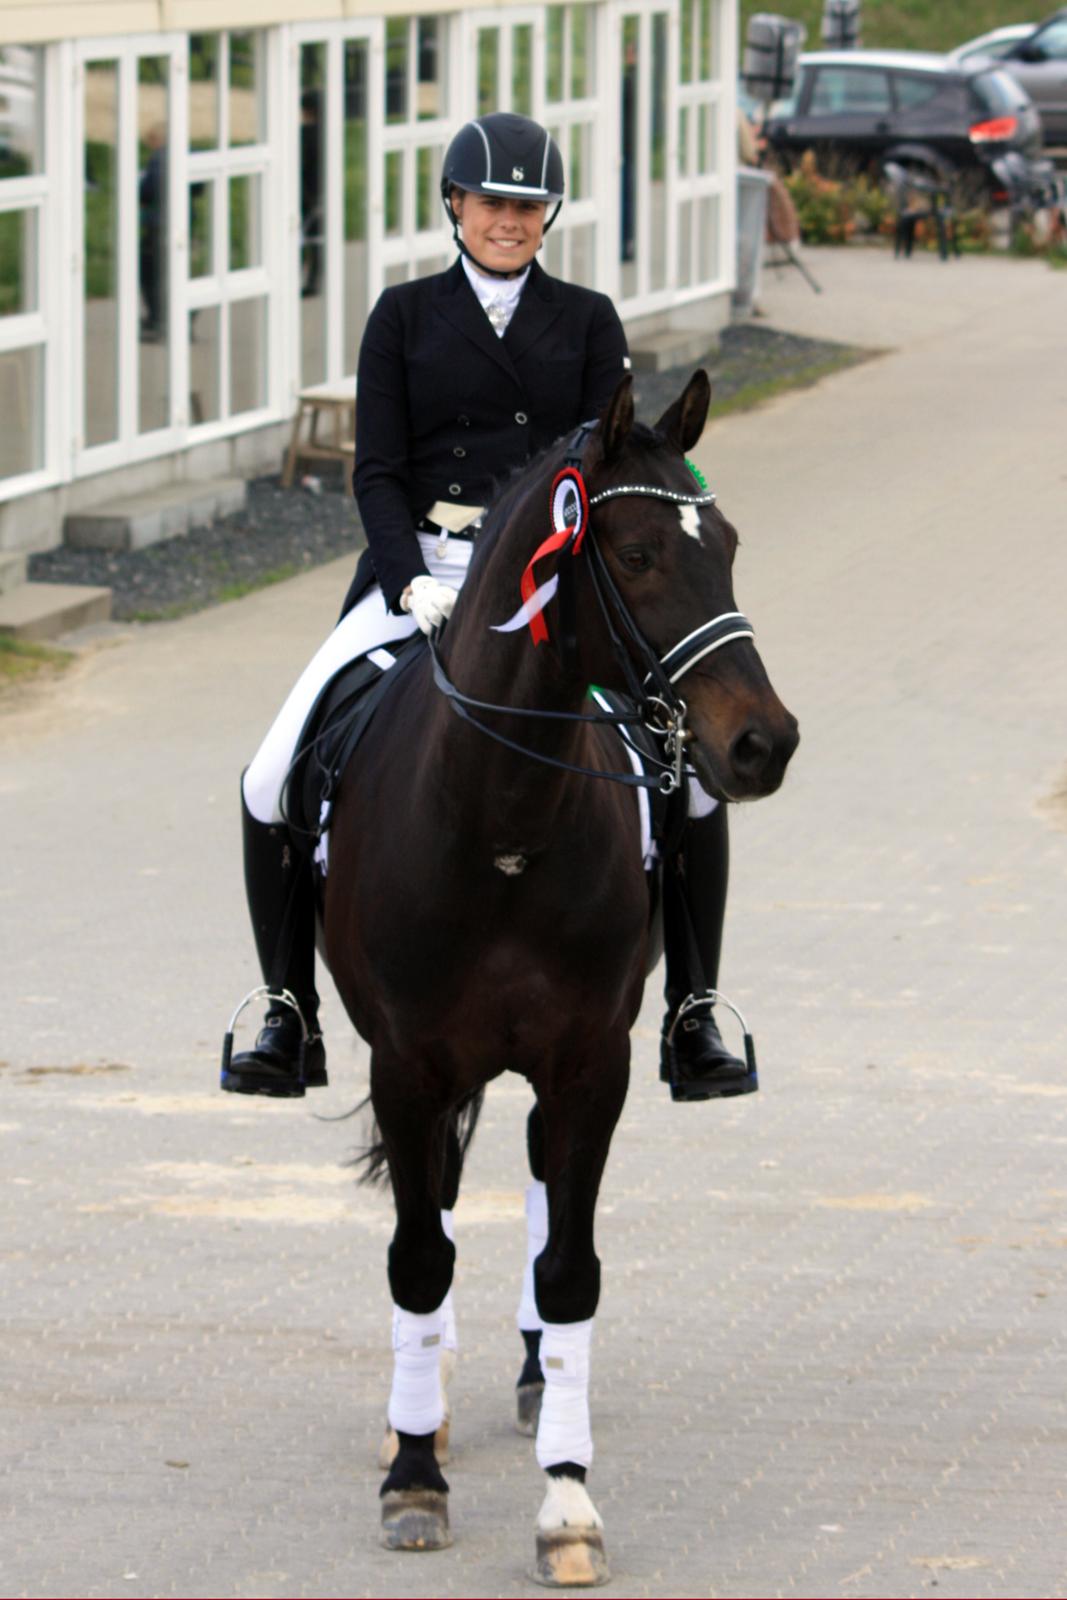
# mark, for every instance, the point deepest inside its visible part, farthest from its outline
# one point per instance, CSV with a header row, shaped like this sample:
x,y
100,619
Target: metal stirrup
x,y
283,997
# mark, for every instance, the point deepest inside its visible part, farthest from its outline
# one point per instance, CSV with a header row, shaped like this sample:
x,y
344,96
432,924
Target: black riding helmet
x,y
507,156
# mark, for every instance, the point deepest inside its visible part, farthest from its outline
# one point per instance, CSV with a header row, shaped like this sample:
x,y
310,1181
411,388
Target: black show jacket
x,y
445,408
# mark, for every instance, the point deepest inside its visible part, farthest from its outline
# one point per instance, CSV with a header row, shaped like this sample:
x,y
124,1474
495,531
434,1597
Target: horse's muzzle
x,y
754,761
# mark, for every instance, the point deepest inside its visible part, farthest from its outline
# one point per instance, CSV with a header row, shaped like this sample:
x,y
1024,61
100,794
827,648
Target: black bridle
x,y
659,706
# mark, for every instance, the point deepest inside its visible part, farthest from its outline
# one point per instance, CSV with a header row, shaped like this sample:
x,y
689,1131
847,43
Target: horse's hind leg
x,y
531,1384
579,1118
414,1495
453,1169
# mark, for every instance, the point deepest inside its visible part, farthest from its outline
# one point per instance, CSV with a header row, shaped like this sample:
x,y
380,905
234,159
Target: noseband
x,y
660,707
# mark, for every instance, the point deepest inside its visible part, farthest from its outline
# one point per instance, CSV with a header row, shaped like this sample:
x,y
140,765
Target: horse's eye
x,y
635,558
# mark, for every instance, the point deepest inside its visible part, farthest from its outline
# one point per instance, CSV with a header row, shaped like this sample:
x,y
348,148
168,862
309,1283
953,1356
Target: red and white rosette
x,y
569,513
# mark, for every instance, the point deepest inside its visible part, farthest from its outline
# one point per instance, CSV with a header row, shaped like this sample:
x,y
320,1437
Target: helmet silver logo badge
x,y
518,174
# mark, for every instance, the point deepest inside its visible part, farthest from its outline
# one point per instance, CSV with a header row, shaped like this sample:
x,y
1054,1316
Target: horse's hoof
x,y
571,1558
387,1450
415,1519
528,1408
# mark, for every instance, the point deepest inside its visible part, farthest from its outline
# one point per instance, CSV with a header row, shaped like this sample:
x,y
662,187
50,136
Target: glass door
x,y
129,143
337,103
644,81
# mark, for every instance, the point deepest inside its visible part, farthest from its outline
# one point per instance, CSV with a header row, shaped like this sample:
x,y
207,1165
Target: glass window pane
x,y
22,408
707,138
553,254
204,365
583,255
18,262
246,232
581,174
707,238
248,355
101,221
396,69
628,171
394,192
203,91
248,121
685,244
428,210
21,110
554,20
683,141
312,210
431,63
582,60
707,53
488,70
685,42
356,284
201,217
153,235
657,198
522,69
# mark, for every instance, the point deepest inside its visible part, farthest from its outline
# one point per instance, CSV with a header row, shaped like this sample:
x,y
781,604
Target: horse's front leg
x,y
410,1108
580,1110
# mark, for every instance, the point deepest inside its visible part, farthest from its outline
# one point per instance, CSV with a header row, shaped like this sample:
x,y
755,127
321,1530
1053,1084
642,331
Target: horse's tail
x,y
457,1131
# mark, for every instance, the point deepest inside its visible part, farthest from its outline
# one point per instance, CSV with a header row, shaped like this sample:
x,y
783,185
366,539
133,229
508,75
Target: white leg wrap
x,y
415,1403
448,1310
564,1433
529,1319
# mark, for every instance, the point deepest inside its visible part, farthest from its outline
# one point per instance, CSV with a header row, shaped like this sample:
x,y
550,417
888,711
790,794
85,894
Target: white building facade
x,y
195,219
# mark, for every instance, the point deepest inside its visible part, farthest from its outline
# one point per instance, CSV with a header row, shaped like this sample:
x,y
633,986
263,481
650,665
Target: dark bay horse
x,y
487,911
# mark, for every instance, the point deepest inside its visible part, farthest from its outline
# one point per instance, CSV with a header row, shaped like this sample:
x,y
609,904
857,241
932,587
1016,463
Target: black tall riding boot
x,y
694,1060
281,902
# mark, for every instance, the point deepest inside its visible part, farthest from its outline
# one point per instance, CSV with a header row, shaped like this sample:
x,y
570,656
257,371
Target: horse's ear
x,y
683,422
617,422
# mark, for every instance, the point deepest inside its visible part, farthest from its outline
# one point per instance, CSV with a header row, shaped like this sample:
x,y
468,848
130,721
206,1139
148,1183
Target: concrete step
x,y
143,519
37,611
12,571
680,347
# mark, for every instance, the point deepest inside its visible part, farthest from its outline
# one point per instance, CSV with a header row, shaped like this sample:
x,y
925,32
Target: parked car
x,y
1039,64
993,45
967,124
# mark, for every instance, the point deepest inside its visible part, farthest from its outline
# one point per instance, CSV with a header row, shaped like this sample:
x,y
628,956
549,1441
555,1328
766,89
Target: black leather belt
x,y
470,533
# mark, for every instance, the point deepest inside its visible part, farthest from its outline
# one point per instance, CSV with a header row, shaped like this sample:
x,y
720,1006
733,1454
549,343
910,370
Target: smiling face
x,y
502,234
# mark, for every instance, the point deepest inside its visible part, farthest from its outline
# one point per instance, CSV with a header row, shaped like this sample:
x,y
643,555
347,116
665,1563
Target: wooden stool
x,y
337,401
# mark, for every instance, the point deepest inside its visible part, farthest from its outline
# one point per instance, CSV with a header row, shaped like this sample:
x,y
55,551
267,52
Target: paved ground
x,y
831,1355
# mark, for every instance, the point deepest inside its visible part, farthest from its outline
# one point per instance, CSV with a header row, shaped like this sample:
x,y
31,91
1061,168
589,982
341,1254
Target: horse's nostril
x,y
750,753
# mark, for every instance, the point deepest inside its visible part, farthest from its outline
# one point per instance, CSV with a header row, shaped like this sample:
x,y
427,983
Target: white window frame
x,y
334,35
130,445
269,280
37,329
415,247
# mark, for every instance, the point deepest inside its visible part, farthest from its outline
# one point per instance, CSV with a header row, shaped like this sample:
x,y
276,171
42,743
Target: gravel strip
x,y
284,531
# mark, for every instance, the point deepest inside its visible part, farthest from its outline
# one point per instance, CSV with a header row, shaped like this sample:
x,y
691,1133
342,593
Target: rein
x,y
658,704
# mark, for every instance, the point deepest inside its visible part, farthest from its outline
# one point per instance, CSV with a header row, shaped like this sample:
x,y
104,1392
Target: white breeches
x,y
367,626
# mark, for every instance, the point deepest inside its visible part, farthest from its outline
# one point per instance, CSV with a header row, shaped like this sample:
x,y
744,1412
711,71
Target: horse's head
x,y
671,564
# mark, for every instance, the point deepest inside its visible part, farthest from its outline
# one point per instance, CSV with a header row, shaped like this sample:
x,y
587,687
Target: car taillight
x,y
996,129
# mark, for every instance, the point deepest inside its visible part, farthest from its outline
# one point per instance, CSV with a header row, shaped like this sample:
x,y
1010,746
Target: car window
x,y
1053,40
839,90
998,94
916,91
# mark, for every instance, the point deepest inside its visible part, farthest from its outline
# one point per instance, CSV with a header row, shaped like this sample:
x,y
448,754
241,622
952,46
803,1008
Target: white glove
x,y
429,601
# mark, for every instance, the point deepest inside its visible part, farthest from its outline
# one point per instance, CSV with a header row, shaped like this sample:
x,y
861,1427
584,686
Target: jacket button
x,y
459,452
455,488
463,421
521,417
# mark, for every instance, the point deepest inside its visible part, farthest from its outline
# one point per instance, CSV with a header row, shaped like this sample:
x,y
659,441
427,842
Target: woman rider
x,y
463,376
